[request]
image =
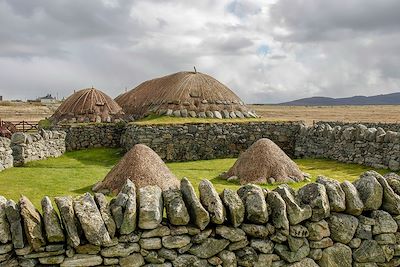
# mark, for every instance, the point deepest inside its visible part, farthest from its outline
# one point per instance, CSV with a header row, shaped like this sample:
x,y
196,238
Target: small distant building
x,y
48,99
1,98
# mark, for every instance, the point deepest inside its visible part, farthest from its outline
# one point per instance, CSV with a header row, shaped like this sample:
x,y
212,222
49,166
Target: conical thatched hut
x,y
183,94
88,105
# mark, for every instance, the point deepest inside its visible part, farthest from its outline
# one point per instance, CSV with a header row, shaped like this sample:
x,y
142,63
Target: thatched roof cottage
x,y
88,105
183,94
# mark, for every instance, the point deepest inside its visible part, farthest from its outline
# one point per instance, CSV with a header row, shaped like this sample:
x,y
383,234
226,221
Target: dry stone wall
x,y
29,147
6,158
91,135
326,223
208,141
395,127
351,144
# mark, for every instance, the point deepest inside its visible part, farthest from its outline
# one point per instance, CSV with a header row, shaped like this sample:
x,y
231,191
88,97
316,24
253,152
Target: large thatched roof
x,y
88,105
183,94
120,96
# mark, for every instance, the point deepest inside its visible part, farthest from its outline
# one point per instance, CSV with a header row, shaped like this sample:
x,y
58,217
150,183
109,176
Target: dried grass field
x,y
381,113
15,111
18,111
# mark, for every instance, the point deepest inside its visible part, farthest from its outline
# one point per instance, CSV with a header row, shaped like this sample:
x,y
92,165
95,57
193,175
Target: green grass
x,y
71,174
156,119
76,172
210,169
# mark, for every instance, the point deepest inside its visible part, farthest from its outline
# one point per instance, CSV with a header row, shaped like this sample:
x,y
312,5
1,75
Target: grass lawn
x,y
75,172
156,119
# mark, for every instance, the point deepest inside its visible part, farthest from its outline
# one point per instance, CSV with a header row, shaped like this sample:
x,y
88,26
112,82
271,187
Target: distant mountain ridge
x,y
384,99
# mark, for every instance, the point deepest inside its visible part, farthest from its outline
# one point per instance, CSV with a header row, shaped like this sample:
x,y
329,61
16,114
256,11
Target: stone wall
x,y
185,142
395,127
351,144
42,145
6,158
322,224
92,135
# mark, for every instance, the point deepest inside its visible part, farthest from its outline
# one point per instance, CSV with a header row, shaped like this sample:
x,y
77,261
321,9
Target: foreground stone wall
x,y
29,147
91,135
208,141
322,224
6,158
351,144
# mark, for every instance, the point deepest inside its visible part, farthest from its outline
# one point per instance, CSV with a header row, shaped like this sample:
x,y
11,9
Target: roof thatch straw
x,y
143,167
183,94
265,162
88,105
120,96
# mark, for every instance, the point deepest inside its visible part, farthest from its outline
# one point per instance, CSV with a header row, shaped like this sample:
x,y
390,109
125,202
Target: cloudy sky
x,y
267,51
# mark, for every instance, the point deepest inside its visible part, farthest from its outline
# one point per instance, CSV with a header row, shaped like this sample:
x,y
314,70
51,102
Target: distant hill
x,y
387,99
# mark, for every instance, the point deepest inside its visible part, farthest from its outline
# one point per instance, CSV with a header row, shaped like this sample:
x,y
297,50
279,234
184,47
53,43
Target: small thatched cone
x,y
264,160
143,167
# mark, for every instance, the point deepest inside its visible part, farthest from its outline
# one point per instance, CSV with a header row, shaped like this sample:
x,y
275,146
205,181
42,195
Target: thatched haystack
x,y
143,167
88,105
265,162
183,94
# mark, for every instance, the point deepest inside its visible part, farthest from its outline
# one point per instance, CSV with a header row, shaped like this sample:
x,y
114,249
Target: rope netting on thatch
x,y
88,105
190,93
262,161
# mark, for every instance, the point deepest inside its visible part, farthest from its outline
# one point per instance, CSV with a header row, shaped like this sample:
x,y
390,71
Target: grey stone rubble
x,y
321,224
44,144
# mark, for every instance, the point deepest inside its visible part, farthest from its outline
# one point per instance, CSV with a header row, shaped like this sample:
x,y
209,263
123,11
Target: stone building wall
x,y
6,158
184,142
91,135
29,147
322,224
373,147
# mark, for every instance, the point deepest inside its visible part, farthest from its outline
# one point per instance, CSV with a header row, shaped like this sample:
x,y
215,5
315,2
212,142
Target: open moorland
x,y
76,172
15,111
18,111
378,113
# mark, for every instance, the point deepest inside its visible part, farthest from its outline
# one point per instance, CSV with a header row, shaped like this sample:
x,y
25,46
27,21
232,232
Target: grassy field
x,y
153,119
36,112
75,173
